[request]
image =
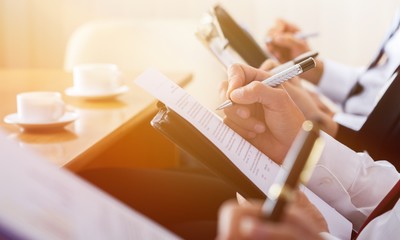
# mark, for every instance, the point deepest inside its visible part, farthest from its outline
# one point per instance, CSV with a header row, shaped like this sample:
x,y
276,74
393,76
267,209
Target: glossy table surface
x,y
99,123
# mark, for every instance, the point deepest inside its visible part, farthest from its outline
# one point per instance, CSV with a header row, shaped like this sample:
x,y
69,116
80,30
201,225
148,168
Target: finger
x,y
252,228
257,92
230,214
300,218
268,65
278,28
246,134
242,117
241,111
288,41
289,27
240,75
281,26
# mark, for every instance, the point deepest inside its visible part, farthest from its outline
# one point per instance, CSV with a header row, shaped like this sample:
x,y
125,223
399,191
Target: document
x,y
256,166
39,200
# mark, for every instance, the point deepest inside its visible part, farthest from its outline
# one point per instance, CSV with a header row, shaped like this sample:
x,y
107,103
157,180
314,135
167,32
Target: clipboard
x,y
177,129
228,41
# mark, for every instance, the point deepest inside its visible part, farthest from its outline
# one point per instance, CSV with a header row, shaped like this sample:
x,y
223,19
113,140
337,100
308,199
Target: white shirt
x,y
337,81
354,184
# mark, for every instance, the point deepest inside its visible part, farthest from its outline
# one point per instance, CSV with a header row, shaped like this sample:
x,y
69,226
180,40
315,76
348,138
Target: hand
x,y
268,64
301,220
311,106
265,116
285,46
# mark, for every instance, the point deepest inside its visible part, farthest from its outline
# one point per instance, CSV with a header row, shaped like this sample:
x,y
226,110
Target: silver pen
x,y
299,35
281,77
294,61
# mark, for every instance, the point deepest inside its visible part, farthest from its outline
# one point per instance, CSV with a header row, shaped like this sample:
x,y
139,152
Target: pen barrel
x,y
304,153
281,67
277,211
283,76
275,208
291,72
307,64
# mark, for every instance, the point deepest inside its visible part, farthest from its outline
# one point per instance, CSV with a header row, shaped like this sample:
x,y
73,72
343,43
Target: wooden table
x,y
99,125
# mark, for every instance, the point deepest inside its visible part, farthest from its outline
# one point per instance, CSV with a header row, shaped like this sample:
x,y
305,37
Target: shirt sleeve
x,y
352,121
385,226
347,180
337,80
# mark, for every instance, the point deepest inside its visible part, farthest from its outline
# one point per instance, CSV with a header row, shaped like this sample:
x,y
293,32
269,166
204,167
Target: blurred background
x,y
34,33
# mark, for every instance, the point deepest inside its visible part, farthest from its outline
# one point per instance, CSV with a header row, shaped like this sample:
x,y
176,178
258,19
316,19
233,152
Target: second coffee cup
x,y
91,79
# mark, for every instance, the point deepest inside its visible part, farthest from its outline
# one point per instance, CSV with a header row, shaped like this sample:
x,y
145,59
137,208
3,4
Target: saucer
x,y
68,118
96,96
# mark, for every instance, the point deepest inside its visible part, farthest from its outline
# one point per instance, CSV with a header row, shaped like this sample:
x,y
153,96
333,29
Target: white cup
x,y
40,107
96,78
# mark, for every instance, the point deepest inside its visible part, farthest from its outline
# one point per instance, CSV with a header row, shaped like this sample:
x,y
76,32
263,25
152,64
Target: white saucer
x,y
68,118
96,96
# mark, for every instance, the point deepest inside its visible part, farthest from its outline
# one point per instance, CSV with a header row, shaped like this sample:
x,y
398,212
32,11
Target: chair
x,y
166,44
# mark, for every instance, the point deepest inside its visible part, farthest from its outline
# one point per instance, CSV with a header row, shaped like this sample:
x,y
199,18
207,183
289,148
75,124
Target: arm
x,y
270,120
337,80
348,181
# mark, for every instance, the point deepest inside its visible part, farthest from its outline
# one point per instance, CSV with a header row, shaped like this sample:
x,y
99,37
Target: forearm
x,y
337,80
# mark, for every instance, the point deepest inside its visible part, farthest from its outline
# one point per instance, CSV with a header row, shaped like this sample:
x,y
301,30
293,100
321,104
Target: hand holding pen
x,y
281,77
300,35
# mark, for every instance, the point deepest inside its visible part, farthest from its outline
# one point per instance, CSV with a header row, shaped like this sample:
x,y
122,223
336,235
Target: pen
x,y
303,154
281,77
294,61
299,35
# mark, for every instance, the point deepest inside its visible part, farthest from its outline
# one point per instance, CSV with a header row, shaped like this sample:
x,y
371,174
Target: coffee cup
x,y
96,78
40,107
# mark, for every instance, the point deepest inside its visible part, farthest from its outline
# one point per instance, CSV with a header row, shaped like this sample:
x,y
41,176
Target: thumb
x,y
288,41
257,92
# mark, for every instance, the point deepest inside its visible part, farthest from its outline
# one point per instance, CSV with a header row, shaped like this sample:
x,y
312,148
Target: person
x,y
354,90
301,220
269,119
187,202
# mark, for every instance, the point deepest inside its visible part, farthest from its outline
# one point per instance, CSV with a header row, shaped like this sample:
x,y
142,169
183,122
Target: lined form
x,y
253,163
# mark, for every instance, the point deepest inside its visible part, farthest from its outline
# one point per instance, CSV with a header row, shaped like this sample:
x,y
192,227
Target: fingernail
x,y
246,226
278,39
242,113
251,135
259,128
237,93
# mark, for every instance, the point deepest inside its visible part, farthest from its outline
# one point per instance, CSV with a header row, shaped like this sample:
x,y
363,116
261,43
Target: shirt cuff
x,y
337,80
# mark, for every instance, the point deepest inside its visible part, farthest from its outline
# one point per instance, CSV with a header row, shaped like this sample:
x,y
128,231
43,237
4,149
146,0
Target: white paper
x,y
253,163
225,54
39,200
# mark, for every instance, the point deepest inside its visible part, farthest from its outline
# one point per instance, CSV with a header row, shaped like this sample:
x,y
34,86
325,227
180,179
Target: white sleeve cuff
x,y
337,80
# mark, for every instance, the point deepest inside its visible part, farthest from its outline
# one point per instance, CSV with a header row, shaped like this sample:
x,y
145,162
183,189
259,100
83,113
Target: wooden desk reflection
x,y
100,124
